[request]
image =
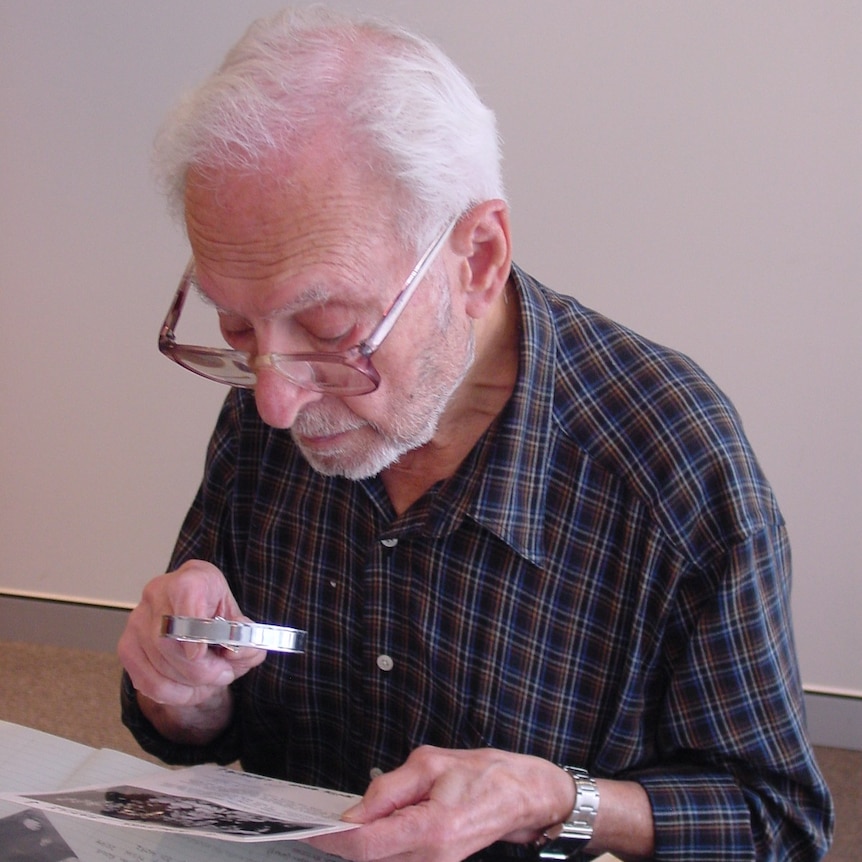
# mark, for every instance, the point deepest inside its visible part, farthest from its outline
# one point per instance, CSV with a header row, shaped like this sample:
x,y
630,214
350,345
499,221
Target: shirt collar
x,y
509,498
501,484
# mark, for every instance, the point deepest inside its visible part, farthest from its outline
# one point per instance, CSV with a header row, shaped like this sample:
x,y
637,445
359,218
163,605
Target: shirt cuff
x,y
698,816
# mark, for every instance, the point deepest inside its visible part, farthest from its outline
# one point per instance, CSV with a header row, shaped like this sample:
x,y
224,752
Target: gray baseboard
x,y
833,720
60,623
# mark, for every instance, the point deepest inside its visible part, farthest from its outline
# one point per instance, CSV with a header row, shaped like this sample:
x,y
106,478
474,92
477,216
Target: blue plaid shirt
x,y
604,583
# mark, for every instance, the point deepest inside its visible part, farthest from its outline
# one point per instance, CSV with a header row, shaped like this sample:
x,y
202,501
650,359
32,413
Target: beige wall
x,y
691,168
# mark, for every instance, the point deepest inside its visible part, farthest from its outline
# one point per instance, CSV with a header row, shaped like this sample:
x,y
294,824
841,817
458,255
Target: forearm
x,y
624,824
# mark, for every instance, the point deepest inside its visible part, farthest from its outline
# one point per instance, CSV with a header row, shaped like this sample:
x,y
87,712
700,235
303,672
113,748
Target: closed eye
x,y
335,342
329,331
238,333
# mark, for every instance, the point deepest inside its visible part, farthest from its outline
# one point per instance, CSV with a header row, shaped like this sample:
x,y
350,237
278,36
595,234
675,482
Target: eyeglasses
x,y
347,373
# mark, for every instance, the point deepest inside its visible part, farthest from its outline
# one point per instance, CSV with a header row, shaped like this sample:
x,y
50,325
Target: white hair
x,y
398,105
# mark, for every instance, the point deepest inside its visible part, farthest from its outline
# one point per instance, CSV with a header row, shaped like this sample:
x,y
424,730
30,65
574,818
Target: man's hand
x,y
445,805
183,687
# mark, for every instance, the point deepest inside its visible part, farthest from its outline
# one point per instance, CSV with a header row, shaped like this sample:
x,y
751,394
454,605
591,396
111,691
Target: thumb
x,y
356,813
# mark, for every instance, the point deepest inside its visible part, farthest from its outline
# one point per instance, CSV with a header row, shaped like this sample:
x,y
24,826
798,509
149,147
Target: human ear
x,y
482,237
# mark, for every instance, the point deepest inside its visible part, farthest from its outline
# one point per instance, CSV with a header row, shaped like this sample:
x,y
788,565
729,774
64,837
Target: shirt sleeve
x,y
738,778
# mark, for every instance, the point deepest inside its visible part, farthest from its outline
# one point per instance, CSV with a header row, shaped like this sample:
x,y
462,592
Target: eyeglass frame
x,y
357,357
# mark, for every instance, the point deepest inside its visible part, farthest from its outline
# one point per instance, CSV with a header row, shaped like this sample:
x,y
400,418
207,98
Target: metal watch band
x,y
234,634
578,829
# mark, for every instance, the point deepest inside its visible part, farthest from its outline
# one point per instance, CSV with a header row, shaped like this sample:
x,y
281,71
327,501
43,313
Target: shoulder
x,y
653,420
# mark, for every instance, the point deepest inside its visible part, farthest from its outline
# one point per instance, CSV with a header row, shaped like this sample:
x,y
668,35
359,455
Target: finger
x,y
415,833
410,783
183,673
173,679
172,672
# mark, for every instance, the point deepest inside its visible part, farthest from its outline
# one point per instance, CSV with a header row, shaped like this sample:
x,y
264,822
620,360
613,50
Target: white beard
x,y
413,416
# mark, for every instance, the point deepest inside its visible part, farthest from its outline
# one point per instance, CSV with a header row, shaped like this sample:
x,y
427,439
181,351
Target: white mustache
x,y
312,422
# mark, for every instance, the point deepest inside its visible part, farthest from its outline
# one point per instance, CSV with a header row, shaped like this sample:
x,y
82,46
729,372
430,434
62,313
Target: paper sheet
x,y
40,762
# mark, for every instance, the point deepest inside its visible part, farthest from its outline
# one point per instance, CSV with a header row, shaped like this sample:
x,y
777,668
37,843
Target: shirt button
x,y
384,662
375,773
389,543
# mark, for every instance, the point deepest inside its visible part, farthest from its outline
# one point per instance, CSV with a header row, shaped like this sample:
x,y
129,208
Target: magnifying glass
x,y
233,634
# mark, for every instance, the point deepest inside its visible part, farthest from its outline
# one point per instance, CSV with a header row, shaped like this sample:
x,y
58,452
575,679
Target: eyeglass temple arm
x,y
167,331
375,339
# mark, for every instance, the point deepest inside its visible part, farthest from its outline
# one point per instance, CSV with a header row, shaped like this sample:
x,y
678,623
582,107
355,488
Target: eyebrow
x,y
315,296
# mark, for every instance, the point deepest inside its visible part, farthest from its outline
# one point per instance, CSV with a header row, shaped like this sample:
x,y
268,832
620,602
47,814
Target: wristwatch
x,y
578,828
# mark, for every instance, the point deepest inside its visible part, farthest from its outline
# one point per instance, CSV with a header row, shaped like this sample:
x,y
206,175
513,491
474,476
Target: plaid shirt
x,y
604,582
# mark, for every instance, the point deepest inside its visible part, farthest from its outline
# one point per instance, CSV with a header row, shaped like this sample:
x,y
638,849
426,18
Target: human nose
x,y
278,399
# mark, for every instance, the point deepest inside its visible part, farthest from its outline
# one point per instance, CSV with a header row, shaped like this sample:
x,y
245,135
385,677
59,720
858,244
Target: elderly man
x,y
544,580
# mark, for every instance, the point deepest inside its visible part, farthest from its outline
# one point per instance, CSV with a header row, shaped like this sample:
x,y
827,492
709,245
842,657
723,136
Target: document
x,y
207,800
52,794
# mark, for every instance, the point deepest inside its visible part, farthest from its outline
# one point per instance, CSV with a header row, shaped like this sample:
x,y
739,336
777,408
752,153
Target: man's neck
x,y
473,407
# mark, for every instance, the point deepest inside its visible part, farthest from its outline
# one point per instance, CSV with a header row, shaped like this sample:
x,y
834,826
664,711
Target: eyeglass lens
x,y
234,368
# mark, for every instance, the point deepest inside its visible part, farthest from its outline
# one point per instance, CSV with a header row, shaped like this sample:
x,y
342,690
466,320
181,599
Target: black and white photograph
x,y
140,806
